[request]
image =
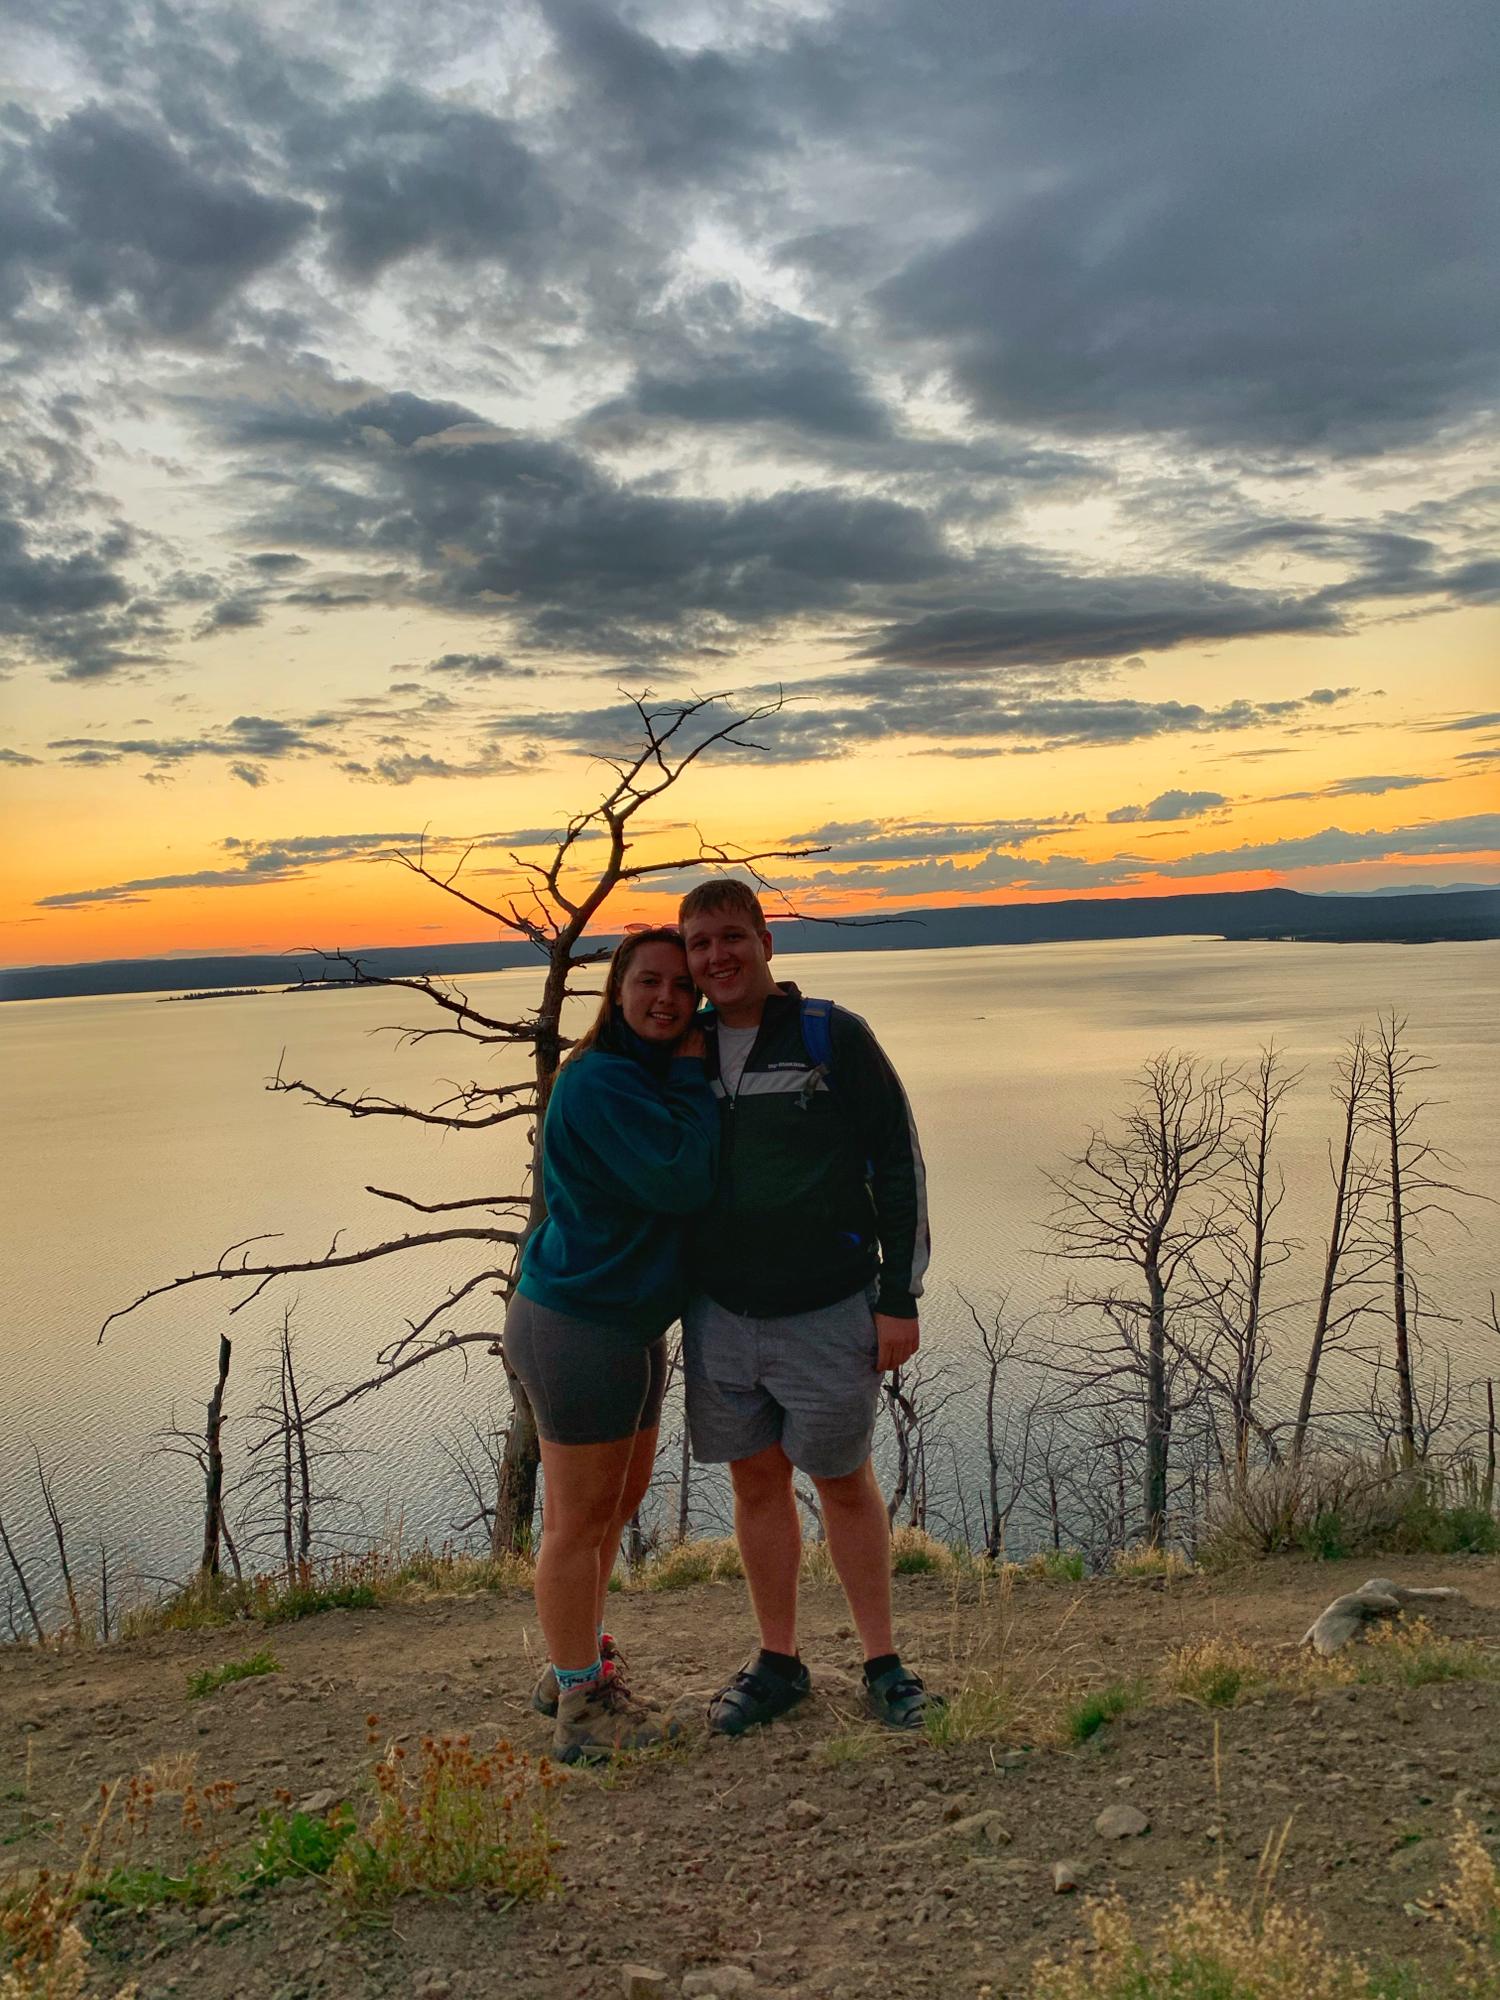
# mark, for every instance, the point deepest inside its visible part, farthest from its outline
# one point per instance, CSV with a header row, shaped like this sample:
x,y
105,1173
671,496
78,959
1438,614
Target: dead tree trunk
x,y
1352,1185
75,1617
213,1471
20,1575
1390,1079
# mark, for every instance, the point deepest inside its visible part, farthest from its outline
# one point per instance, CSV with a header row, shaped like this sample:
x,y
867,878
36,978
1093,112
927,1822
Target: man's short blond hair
x,y
722,892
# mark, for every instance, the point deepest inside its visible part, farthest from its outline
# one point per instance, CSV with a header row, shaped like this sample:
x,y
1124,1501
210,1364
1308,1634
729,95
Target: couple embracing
x,y
754,1171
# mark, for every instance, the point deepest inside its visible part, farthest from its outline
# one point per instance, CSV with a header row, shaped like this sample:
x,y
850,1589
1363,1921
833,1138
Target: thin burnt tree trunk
x,y
1350,1190
213,1499
1158,1417
26,1597
1405,1393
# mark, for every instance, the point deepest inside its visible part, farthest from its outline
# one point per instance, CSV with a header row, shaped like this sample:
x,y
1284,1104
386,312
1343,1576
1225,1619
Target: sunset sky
x,y
1085,412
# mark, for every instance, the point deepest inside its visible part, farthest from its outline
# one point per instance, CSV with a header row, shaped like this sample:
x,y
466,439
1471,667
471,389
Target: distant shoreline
x,y
1277,916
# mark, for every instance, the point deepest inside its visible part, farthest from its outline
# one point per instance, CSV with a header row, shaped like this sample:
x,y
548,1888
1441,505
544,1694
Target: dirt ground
x,y
826,1858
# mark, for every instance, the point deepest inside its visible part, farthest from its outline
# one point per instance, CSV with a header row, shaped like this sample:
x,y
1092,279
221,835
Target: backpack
x,y
817,1036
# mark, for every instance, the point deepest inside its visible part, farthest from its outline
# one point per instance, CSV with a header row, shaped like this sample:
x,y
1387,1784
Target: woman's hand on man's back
x,y
692,1044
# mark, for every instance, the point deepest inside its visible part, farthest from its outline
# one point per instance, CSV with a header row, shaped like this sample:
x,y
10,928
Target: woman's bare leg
x,y
585,1487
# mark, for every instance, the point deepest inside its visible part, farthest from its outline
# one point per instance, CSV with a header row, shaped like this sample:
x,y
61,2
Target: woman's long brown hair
x,y
601,1030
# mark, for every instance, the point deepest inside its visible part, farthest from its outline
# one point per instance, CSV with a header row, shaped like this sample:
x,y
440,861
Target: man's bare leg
x,y
859,1541
770,1539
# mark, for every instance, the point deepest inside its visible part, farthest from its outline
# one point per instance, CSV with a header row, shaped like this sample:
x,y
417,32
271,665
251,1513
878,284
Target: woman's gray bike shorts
x,y
589,1383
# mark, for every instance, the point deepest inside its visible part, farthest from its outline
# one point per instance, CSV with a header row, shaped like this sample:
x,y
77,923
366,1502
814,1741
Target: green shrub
x,y
213,1678
296,1844
306,1600
1087,1716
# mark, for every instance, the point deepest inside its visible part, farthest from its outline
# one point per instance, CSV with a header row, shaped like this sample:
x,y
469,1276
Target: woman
x,y
629,1146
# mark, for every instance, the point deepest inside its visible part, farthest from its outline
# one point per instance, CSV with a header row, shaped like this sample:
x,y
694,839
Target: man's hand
x,y
899,1340
692,1044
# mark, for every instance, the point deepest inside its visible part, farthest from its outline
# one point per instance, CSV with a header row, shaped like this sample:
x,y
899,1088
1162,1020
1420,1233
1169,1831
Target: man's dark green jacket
x,y
821,1190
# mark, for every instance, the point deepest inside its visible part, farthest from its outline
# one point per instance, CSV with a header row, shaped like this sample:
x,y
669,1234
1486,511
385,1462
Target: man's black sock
x,y
881,1664
787,1666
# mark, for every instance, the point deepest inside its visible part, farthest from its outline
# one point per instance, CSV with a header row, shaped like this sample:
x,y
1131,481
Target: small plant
x,y
1148,1561
693,1562
915,1553
459,1820
980,1710
306,1600
1215,1672
1085,1717
296,1845
213,1678
1055,1566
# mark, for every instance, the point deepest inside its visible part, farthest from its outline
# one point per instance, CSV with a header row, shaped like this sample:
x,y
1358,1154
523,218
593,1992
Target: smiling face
x,y
656,992
728,956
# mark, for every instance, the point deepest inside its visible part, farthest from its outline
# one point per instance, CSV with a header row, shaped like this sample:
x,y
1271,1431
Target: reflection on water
x,y
141,1141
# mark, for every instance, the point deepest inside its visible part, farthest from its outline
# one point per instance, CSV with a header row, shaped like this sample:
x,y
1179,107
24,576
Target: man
x,y
806,1268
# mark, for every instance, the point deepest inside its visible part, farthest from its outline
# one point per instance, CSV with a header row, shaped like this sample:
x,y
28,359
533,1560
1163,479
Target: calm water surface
x,y
141,1141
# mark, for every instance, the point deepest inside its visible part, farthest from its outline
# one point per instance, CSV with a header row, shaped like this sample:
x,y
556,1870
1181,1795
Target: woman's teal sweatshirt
x,y
626,1153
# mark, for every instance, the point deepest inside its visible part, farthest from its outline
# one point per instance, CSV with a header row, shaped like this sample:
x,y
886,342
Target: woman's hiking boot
x,y
544,1694
600,1720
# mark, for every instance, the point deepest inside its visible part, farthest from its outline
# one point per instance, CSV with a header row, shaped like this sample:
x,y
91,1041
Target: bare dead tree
x,y
914,1398
49,1502
551,907
1351,1253
1009,1420
1417,1186
213,1454
477,1455
205,1450
24,1586
1150,1198
286,1500
1256,1189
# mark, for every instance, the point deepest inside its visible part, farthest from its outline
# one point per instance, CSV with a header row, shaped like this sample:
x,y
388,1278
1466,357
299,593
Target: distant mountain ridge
x,y
1419,917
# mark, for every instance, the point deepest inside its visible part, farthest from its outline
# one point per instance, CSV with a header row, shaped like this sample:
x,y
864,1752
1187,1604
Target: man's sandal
x,y
898,1699
756,1696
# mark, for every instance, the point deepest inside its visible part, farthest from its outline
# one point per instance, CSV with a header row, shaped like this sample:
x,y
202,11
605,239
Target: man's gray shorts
x,y
807,1382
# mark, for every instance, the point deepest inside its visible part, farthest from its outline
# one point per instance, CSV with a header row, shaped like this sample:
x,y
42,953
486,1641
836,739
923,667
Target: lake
x,y
141,1141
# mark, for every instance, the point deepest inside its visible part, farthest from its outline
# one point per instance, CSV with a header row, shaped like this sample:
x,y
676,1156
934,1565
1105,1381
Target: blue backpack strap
x,y
817,1036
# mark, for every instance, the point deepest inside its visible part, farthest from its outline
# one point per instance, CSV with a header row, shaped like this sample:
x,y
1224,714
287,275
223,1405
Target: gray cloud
x,y
1051,616
1357,788
727,369
114,207
410,173
16,758
1168,806
1254,226
479,667
912,840
1473,834
405,767
244,737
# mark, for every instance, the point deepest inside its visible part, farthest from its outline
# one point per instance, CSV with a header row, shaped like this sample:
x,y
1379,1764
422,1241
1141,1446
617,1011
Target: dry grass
x,y
1211,1946
1207,1948
1001,1686
1216,1672
1408,1653
686,1563
1147,1561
